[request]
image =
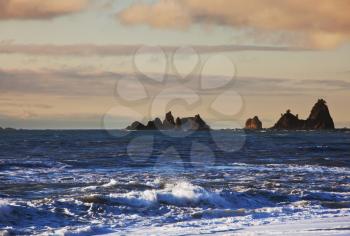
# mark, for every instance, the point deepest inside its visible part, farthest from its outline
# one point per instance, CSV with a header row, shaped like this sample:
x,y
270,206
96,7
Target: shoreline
x,y
339,226
318,226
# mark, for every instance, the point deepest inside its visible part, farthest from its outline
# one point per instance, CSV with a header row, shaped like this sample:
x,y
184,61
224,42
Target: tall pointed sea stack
x,y
169,122
320,118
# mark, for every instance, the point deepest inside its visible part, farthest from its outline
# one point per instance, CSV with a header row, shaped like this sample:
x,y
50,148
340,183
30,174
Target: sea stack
x,y
136,126
188,123
169,122
289,121
319,118
253,123
193,123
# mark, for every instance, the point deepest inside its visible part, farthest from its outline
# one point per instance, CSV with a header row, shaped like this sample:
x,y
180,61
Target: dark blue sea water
x,y
99,182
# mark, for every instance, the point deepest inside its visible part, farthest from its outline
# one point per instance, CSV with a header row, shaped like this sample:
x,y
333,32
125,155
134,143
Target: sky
x,y
101,64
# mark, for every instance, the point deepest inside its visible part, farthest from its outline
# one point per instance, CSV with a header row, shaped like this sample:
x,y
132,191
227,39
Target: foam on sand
x,y
323,226
339,226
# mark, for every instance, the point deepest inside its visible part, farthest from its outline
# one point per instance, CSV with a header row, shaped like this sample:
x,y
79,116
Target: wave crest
x,y
178,194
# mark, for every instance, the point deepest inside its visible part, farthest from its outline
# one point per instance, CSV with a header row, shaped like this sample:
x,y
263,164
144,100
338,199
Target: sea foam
x,y
178,194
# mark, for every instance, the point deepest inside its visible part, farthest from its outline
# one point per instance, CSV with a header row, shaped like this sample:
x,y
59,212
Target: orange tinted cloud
x,y
321,23
164,14
38,9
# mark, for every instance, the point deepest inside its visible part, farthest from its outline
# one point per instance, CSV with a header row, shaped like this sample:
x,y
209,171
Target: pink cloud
x,y
38,9
319,23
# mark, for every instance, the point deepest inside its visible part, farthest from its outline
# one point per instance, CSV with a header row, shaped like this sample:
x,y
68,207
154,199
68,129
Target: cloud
x,y
65,82
38,9
86,83
315,23
25,105
123,50
262,86
283,87
168,14
331,84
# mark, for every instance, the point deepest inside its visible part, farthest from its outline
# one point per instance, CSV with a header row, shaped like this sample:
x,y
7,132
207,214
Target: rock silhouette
x,y
178,123
253,123
158,123
168,122
319,118
289,121
7,129
136,126
187,123
193,123
151,125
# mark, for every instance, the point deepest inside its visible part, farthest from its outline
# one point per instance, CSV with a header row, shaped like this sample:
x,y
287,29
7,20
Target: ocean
x,y
95,182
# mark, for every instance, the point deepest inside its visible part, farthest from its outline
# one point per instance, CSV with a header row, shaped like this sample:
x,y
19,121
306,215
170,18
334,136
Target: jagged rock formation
x,y
178,123
187,123
158,123
136,126
253,123
319,118
151,125
289,121
168,122
193,123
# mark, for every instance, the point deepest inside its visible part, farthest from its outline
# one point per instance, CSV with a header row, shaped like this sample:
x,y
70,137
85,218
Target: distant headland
x,y
6,129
